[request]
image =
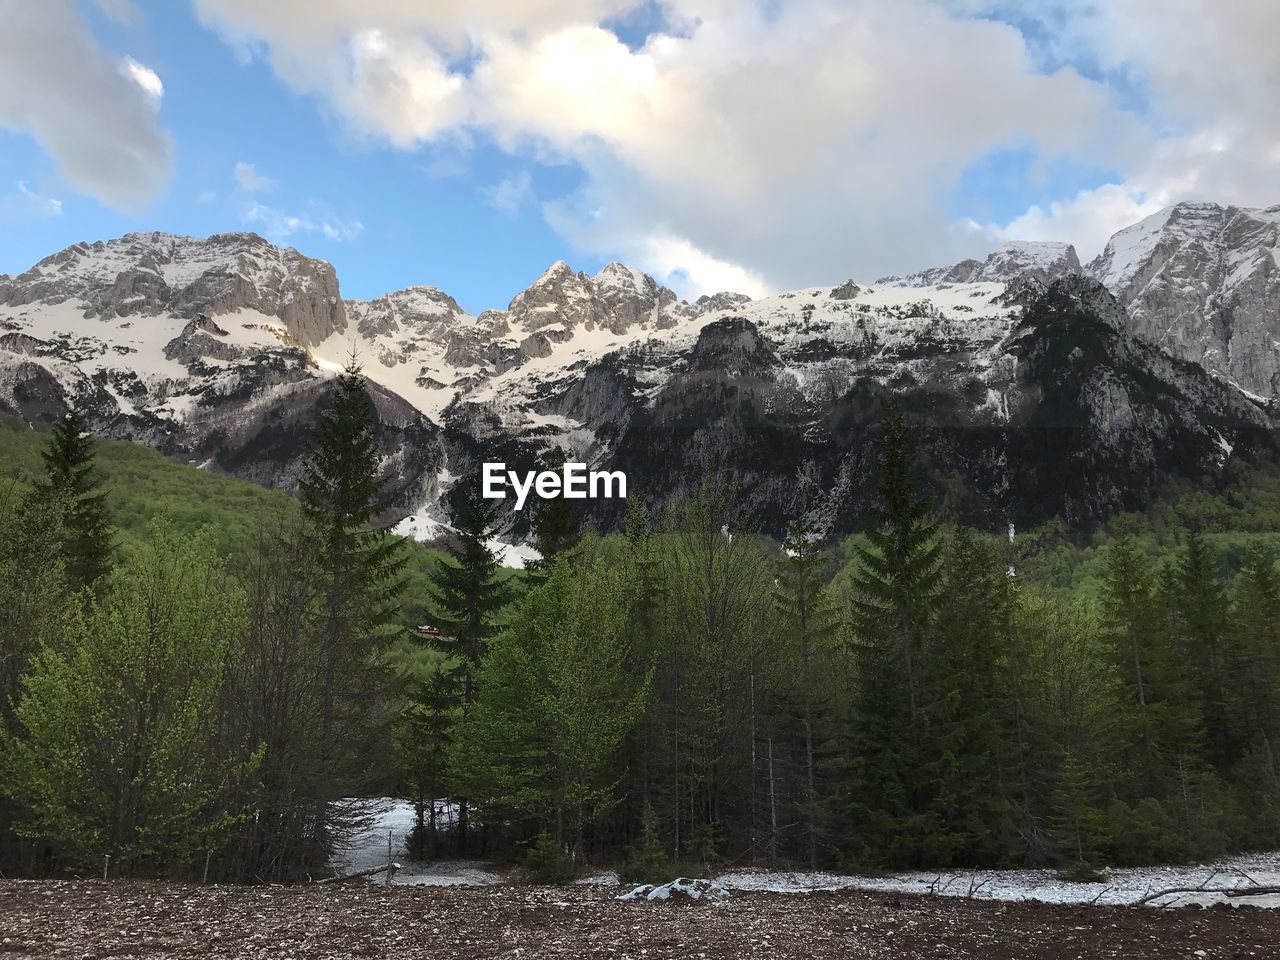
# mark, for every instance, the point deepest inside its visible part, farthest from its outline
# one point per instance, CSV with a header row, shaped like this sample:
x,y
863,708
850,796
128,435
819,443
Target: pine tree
x,y
1164,722
895,590
967,756
1253,661
1200,612
423,741
71,474
1079,827
807,625
361,564
469,594
555,527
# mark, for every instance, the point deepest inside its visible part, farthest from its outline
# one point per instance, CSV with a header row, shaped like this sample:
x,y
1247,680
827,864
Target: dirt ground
x,y
90,920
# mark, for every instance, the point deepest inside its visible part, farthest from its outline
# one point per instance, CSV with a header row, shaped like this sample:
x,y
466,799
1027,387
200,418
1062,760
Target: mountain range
x,y
1037,386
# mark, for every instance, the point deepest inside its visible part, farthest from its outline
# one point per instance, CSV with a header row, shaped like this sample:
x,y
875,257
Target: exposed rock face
x,y
1203,281
1045,261
1033,393
151,274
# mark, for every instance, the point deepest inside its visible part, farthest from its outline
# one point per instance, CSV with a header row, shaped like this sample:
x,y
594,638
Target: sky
x,y
750,145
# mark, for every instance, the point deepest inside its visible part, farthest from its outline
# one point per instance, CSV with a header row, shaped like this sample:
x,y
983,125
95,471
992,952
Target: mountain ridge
x,y
219,351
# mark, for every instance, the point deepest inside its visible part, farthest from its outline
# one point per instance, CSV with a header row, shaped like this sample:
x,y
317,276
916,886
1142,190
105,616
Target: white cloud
x,y
252,180
148,80
776,144
510,193
279,225
1210,73
97,119
26,203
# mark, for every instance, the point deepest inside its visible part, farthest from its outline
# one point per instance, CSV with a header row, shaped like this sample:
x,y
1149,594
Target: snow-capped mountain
x,y
1046,261
1203,281
1026,385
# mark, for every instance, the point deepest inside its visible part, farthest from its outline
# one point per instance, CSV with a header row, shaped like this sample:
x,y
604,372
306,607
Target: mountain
x,y
1031,393
1045,261
1203,281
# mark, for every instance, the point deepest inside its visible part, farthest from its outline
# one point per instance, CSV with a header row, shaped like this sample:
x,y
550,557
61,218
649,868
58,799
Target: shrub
x,y
548,863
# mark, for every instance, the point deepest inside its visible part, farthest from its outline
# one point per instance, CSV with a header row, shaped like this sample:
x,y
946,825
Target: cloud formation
x,y
760,144
279,225
95,115
252,180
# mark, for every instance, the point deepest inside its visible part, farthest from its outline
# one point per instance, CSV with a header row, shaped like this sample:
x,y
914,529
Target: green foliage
x,y
555,527
892,604
549,863
468,590
70,476
554,706
648,861
112,754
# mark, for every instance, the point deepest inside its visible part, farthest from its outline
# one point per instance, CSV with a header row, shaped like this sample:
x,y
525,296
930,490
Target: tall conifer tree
x,y
469,594
895,592
361,564
88,544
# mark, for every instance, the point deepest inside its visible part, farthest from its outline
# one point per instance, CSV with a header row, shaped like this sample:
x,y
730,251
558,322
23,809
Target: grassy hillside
x,y
142,484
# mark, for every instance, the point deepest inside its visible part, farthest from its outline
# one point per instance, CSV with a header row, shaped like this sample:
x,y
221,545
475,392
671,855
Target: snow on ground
x,y
1124,886
368,848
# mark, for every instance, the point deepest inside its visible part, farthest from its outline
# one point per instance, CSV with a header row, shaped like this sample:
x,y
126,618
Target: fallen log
x,y
372,871
1225,891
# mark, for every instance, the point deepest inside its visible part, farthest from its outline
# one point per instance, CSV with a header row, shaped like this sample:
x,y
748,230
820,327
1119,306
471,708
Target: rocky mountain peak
x,y
1202,280
1044,260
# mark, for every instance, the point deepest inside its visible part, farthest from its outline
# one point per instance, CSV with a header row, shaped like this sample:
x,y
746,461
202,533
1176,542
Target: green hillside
x,y
142,484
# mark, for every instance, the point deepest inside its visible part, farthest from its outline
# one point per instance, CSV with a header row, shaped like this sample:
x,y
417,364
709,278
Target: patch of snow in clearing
x,y
1125,885
693,889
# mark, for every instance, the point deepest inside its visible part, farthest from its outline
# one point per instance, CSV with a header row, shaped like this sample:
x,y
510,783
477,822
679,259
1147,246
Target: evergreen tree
x,y
469,593
967,755
895,590
423,740
1199,611
807,625
1253,662
555,526
71,475
1079,826
1164,724
361,564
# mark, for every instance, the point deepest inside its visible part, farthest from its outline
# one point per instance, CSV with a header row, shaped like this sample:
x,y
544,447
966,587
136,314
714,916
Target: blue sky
x,y
426,216
716,143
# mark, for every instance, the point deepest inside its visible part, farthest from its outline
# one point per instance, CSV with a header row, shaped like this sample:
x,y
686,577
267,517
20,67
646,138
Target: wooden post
x,y
208,855
390,864
106,864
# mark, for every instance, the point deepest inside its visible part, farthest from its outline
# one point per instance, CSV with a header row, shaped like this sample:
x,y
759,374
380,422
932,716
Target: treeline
x,y
687,692
680,695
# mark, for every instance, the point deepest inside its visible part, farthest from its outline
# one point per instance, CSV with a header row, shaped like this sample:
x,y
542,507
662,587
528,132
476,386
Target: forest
x,y
198,678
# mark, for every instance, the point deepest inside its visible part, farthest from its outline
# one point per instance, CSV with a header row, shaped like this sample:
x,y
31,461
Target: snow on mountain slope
x,y
1046,261
1203,281
221,350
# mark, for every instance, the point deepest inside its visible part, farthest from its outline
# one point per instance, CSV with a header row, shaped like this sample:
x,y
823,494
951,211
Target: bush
x,y
549,864
648,863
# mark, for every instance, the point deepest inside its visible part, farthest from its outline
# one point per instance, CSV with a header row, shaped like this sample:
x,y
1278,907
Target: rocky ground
x,y
89,920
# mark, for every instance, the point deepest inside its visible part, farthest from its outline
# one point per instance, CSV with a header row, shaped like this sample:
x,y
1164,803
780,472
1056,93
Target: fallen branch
x,y
1225,891
372,871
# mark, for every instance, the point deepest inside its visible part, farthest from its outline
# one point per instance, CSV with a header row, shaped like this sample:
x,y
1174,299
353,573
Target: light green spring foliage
x,y
113,752
554,703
